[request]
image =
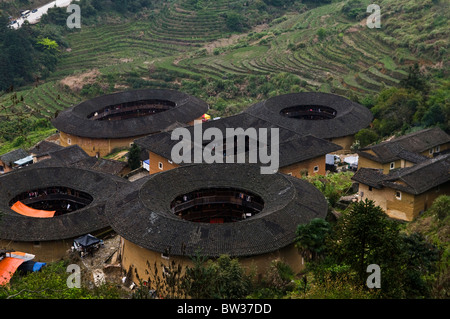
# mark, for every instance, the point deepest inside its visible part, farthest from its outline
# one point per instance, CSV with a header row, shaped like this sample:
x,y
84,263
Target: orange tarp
x,y
23,209
8,267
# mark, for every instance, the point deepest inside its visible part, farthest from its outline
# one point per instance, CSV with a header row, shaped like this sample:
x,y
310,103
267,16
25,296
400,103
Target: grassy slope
x,y
182,43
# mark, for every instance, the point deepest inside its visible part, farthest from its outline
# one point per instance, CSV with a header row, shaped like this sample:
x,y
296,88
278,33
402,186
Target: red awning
x,y
23,209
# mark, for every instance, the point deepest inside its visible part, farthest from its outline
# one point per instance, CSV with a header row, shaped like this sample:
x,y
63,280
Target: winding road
x,y
34,17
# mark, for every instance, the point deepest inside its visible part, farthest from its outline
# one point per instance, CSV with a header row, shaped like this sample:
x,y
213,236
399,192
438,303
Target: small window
x,y
37,244
430,151
165,255
316,169
392,165
69,141
290,173
160,165
437,149
398,195
370,188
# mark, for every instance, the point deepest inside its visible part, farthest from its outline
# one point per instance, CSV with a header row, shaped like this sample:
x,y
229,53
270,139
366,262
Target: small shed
x,y
87,244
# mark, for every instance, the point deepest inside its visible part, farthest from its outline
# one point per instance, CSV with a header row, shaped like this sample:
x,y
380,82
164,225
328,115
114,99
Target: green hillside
x,y
193,45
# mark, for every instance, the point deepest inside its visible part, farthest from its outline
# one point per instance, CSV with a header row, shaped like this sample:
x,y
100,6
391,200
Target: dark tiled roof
x,y
293,147
101,165
75,119
350,116
369,176
13,226
11,157
69,155
45,147
415,180
142,214
407,146
75,156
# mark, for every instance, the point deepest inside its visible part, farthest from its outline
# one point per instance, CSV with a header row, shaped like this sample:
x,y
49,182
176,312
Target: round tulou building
x,y
44,209
212,210
112,121
323,115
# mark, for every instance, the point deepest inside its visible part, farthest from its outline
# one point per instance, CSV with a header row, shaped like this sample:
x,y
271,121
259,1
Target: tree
x,y
421,260
310,238
230,280
395,109
321,33
415,80
366,136
353,9
433,116
332,186
198,279
365,236
48,44
441,207
235,22
134,157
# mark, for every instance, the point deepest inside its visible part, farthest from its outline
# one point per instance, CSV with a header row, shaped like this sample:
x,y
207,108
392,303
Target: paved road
x,y
36,16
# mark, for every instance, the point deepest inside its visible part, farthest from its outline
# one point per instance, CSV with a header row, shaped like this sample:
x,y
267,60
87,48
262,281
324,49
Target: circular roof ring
x,y
323,115
93,189
144,214
129,113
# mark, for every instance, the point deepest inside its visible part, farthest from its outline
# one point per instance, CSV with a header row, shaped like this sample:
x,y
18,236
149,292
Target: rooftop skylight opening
x,y
132,109
309,112
217,205
61,200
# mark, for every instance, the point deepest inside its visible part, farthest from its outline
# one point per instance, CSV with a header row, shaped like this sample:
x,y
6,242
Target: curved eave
x,y
142,214
75,120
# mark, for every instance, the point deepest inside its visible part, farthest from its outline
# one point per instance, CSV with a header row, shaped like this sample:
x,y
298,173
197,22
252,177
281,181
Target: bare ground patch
x,y
77,81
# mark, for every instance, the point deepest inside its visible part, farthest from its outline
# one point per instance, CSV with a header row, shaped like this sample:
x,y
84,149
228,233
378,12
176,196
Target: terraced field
x,y
350,56
179,43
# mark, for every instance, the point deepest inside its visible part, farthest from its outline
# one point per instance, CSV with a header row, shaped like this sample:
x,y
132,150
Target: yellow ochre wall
x,y
143,261
95,146
409,206
345,142
155,159
297,168
45,251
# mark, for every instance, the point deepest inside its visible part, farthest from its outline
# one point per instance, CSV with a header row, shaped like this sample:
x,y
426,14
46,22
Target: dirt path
x,y
102,265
